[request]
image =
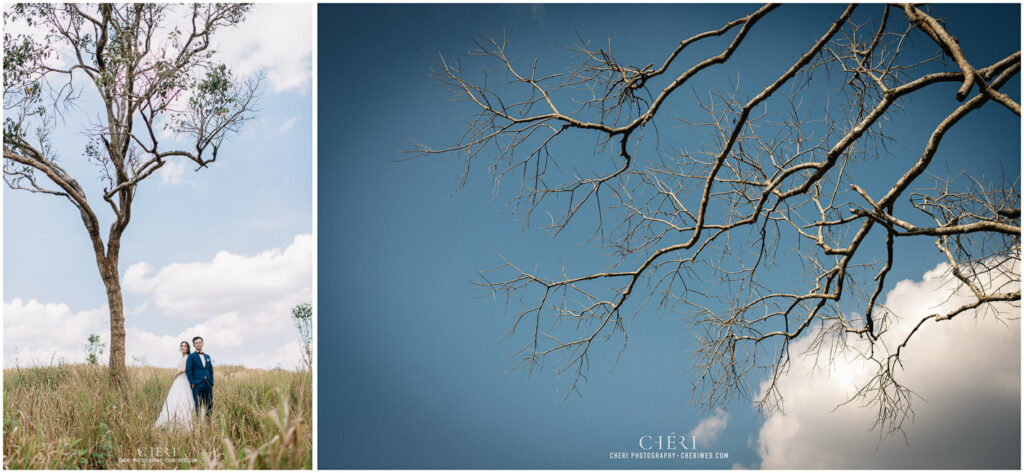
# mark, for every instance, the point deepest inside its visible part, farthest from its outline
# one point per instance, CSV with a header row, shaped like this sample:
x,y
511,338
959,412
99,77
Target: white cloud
x,y
157,350
708,430
134,278
228,283
30,338
273,38
276,39
288,124
172,171
240,305
966,371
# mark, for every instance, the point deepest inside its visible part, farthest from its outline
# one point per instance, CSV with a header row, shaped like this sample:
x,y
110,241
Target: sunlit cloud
x,y
966,372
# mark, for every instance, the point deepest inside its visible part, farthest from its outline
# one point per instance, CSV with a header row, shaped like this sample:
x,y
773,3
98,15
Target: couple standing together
x,y
191,389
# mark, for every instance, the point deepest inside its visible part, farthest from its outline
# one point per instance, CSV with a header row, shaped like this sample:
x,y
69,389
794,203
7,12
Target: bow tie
x,y
200,352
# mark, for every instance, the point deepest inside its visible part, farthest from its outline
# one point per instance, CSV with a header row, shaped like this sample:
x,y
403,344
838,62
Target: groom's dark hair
x,y
197,338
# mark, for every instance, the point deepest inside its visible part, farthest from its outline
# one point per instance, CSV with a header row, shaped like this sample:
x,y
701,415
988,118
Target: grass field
x,y
69,417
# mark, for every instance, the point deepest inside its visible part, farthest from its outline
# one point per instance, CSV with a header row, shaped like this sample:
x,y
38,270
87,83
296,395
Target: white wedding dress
x,y
179,408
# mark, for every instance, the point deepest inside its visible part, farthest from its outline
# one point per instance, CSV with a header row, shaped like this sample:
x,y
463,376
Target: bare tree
x,y
707,232
146,73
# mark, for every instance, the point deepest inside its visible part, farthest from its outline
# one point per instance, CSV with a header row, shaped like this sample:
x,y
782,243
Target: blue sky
x,y
204,245
412,376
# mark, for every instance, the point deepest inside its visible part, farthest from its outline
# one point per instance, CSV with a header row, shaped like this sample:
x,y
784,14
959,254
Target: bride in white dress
x,y
179,408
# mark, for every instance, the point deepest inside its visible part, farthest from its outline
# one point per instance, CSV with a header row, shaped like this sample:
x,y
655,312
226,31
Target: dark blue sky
x,y
410,369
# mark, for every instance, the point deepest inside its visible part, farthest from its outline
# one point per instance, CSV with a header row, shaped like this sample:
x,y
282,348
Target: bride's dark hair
x,y
188,348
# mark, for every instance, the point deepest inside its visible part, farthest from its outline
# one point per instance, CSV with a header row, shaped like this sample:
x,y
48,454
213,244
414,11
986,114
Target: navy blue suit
x,y
201,379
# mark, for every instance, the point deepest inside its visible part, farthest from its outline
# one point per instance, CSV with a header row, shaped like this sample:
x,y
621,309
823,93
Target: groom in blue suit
x,y
199,371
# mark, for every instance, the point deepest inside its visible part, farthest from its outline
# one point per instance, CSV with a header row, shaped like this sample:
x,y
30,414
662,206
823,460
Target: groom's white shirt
x,y
202,358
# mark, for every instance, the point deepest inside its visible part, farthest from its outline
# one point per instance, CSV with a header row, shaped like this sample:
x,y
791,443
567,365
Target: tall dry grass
x,y
69,417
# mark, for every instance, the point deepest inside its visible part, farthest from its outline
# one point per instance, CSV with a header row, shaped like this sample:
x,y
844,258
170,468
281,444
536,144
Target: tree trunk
x,y
108,271
106,262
